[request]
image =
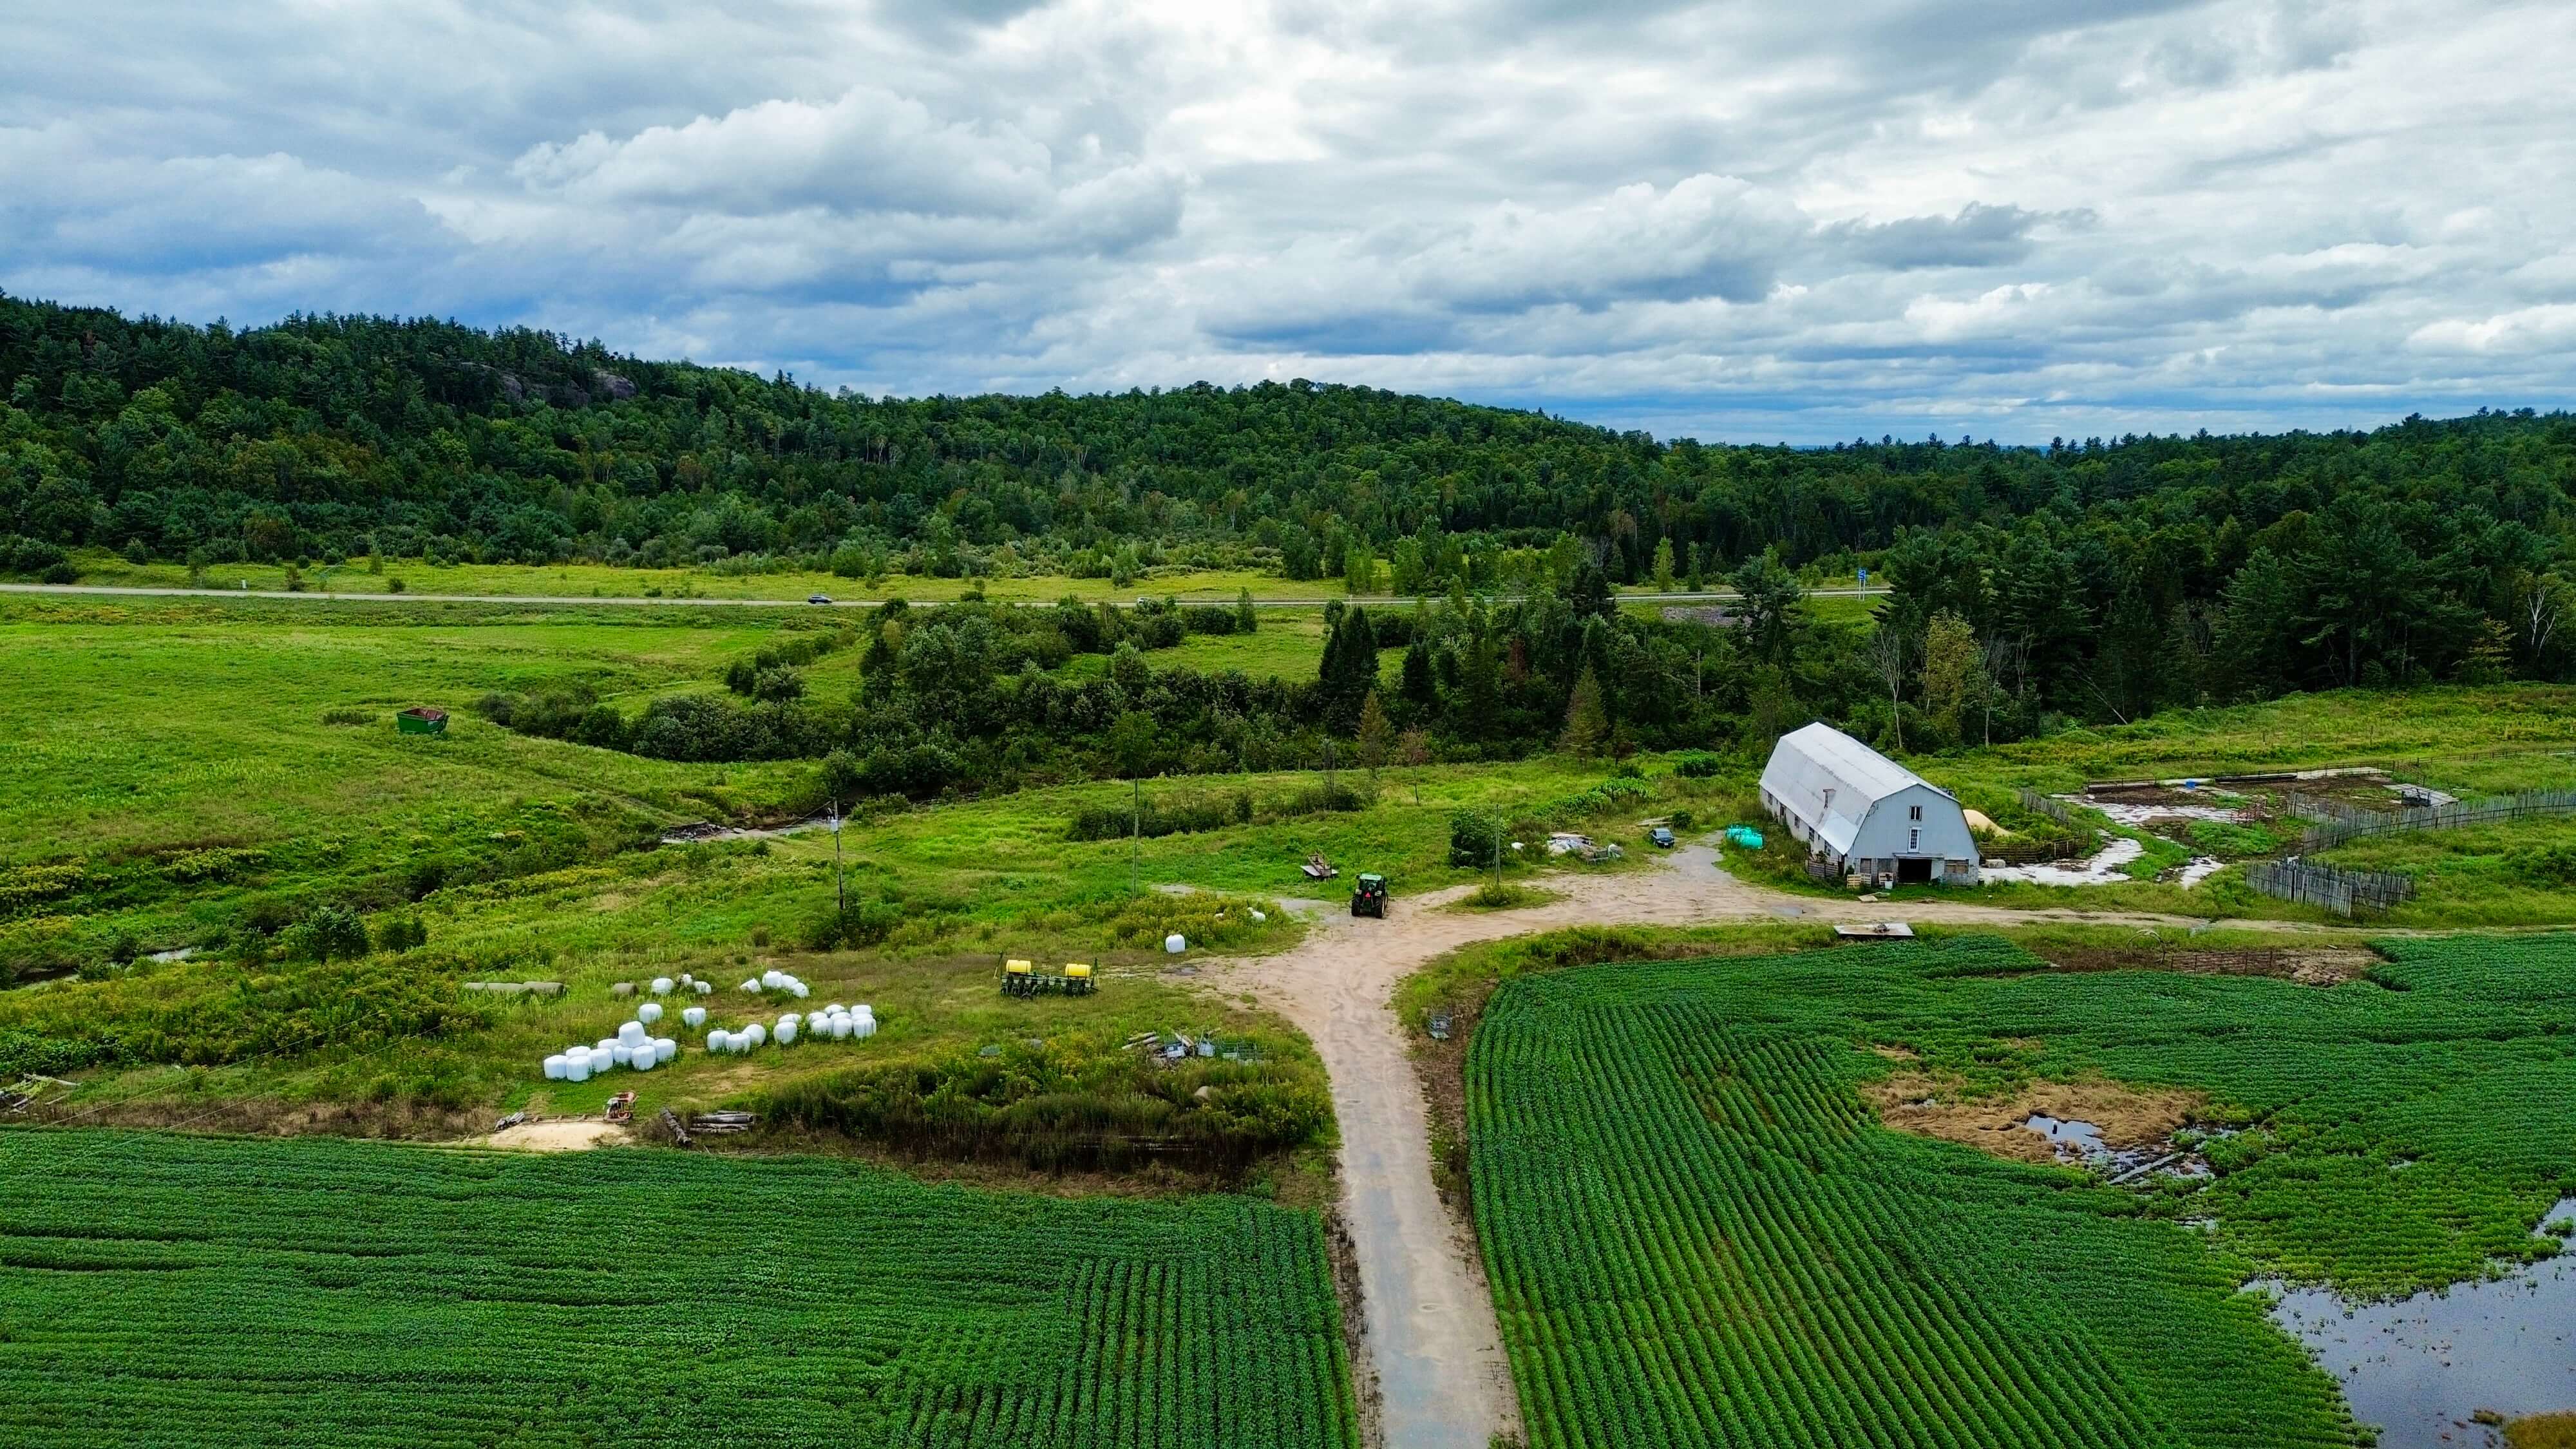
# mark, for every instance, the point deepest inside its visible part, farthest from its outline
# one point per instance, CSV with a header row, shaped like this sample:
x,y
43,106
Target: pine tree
x,y
1376,735
1246,621
1420,690
1587,725
1664,565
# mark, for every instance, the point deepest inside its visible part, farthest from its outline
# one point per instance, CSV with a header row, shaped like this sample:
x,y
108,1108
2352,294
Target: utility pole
x,y
840,876
1498,853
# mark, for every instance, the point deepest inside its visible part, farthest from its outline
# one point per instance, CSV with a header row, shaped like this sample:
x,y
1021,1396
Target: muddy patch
x,y
2093,1122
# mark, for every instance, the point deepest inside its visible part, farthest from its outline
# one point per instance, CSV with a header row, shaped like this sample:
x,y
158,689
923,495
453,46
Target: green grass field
x,y
1699,1232
166,1290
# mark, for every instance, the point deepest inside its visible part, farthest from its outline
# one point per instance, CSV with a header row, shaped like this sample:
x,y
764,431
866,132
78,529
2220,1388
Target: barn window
x,y
1914,840
1914,812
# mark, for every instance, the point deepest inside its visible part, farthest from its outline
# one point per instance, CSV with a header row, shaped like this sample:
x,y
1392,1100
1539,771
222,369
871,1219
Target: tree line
x,y
2093,579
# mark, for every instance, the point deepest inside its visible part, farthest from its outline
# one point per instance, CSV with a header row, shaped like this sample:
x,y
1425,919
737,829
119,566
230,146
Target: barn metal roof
x,y
1807,762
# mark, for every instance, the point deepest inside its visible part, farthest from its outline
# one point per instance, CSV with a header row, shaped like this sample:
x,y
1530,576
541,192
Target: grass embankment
x,y
167,1289
2402,1128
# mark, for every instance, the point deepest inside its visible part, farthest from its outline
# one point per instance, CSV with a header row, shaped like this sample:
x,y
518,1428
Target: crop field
x,y
1699,1231
162,1290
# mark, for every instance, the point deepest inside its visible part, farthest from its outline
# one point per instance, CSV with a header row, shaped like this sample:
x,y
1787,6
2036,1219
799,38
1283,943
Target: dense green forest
x,y
2099,580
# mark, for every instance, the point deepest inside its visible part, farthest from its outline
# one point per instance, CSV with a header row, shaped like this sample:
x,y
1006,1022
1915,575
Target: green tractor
x,y
1368,898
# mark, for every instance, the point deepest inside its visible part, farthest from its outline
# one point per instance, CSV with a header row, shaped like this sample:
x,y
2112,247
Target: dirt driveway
x,y
1429,1321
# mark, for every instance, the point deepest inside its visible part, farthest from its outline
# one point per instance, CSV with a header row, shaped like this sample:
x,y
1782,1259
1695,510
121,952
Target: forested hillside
x,y
2094,579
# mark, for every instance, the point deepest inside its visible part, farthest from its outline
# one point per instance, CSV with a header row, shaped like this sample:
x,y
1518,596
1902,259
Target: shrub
x,y
866,923
348,715
330,933
1697,765
401,933
2545,864
1473,839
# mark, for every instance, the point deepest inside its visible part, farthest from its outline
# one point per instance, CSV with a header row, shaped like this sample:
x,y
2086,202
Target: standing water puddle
x,y
2420,1367
2102,868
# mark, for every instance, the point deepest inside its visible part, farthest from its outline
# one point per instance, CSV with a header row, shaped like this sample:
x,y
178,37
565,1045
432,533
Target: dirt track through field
x,y
1428,1318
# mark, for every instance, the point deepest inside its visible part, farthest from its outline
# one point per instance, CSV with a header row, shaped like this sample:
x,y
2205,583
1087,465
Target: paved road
x,y
1428,1319
344,596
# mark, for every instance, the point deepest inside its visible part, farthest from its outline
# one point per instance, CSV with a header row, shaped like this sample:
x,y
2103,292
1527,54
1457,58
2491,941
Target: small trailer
x,y
421,720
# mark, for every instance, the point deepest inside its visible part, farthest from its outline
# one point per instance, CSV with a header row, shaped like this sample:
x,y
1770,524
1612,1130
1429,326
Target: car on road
x,y
1661,837
818,598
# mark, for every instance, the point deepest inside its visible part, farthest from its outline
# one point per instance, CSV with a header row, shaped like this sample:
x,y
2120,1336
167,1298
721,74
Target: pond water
x,y
2420,1367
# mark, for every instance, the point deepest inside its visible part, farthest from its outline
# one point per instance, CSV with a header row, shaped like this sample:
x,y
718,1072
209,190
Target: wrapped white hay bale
x,y
577,1069
642,1058
786,1032
695,1016
863,1027
661,986
772,979
799,990
599,1053
840,1025
664,1050
752,986
1175,943
649,1013
703,988
555,1066
719,1040
621,1053
756,1034
687,980
630,1032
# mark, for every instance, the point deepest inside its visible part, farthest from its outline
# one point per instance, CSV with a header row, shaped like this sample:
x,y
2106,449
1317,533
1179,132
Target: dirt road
x,y
1429,1321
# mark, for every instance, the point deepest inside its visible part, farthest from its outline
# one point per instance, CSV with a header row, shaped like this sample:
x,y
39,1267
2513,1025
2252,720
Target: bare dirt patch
x,y
2305,965
1895,1053
1931,1106
576,1134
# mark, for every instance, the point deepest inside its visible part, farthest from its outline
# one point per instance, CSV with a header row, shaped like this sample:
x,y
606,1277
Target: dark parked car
x,y
1661,837
818,598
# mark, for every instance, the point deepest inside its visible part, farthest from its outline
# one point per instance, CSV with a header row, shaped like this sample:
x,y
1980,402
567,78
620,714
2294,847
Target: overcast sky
x,y
1756,220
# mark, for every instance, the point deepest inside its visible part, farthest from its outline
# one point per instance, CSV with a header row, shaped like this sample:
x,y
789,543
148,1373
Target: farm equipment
x,y
1027,978
1368,898
421,721
1318,868
621,1108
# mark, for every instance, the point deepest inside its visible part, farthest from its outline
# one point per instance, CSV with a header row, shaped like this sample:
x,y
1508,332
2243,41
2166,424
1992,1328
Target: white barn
x,y
1861,813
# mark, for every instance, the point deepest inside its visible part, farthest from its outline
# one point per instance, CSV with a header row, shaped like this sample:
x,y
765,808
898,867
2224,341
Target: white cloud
x,y
2529,329
1760,219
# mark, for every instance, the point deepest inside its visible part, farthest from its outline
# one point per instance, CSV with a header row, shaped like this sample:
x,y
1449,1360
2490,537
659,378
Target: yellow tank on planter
x,y
1026,978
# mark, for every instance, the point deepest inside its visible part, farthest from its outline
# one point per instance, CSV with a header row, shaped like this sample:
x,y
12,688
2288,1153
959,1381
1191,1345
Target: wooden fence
x,y
2338,890
2037,803
2335,822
